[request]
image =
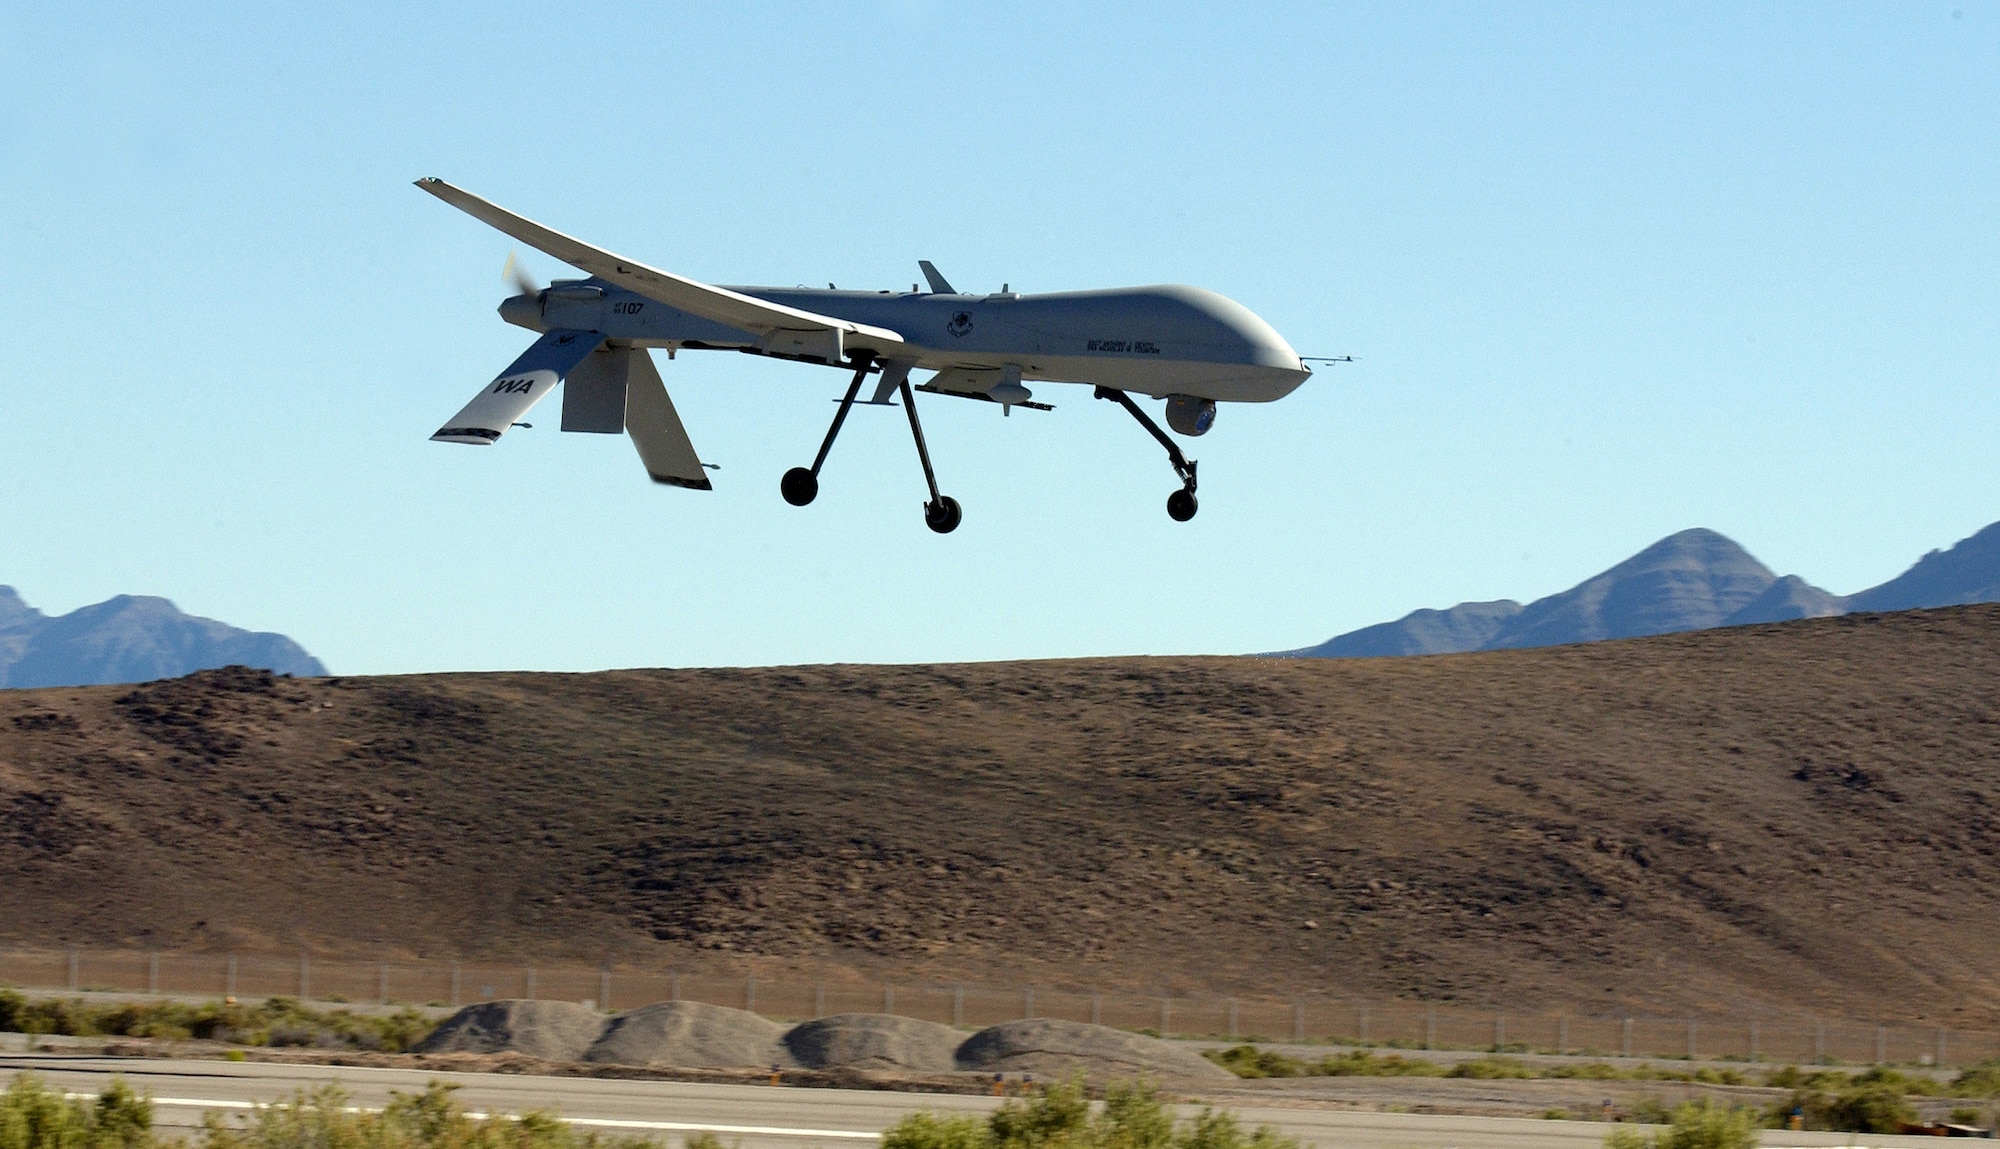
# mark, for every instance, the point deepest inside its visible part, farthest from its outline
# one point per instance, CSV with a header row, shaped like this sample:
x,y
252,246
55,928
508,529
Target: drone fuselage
x,y
1158,341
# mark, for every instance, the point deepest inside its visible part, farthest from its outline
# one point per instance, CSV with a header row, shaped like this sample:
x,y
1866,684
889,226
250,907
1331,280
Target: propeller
x,y
516,272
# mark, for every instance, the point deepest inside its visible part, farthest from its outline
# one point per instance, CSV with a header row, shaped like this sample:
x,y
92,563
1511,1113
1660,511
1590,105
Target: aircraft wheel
x,y
1181,506
799,486
944,515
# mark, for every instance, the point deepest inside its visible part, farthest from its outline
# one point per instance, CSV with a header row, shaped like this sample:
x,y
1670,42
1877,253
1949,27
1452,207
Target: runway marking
x,y
592,1122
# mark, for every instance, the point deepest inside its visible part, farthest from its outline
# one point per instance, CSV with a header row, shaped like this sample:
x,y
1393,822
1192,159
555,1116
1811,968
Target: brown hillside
x,y
1801,815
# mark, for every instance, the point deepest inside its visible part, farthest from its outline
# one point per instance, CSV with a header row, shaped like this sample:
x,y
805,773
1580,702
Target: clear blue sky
x,y
1610,270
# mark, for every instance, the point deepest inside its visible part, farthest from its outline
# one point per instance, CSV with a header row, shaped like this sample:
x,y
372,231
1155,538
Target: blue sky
x,y
1610,271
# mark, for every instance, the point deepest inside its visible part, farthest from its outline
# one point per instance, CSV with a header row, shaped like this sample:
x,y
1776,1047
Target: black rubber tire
x,y
944,515
1181,506
799,486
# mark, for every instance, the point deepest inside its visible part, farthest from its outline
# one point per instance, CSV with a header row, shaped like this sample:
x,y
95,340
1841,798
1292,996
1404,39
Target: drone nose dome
x,y
522,310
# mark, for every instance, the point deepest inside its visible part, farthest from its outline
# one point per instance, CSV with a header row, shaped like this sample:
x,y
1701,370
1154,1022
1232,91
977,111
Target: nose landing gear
x,y
1181,505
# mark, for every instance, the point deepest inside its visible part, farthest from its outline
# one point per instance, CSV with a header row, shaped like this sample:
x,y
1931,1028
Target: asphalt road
x,y
759,1117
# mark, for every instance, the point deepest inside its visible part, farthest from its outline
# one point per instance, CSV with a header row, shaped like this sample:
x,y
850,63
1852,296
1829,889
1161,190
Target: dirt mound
x,y
875,1041
688,1033
553,1030
1046,1046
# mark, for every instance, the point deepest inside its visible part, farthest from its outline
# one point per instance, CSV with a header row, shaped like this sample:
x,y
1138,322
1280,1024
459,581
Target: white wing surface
x,y
787,330
656,428
519,387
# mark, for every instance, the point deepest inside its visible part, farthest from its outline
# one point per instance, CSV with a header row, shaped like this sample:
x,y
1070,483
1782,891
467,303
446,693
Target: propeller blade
x,y
517,273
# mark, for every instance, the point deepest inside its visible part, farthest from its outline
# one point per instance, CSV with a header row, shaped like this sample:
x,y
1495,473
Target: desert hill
x,y
1802,815
130,638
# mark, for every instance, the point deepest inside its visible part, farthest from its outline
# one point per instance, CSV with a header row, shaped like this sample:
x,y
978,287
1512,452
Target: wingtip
x,y
701,484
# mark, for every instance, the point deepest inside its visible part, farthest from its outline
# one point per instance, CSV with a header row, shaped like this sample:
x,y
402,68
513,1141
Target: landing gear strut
x,y
1181,505
801,484
942,513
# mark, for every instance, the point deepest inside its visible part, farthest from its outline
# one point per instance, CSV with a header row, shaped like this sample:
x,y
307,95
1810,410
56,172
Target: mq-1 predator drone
x,y
1188,346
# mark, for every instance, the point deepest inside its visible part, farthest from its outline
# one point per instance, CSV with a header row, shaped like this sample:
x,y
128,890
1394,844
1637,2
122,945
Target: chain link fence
x,y
1302,1018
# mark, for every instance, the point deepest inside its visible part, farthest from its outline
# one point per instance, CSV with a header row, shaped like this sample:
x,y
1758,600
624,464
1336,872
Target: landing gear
x,y
1181,505
942,513
801,484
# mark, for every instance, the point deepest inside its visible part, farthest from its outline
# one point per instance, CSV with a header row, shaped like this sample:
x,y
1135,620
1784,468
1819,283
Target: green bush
x,y
1693,1125
275,1021
1133,1117
1858,1107
1490,1069
33,1116
1981,1080
1249,1061
429,1120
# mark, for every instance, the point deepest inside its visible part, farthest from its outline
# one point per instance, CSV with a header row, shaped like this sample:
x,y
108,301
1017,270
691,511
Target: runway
x,y
760,1117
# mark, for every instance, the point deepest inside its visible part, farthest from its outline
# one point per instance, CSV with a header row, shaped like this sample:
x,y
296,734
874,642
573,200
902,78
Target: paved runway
x,y
761,1117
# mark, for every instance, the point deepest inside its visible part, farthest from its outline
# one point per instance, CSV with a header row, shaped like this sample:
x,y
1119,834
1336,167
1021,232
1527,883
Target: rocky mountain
x,y
130,638
1693,580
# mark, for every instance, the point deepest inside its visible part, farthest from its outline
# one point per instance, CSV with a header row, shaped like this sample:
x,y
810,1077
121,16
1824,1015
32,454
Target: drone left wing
x,y
519,387
781,330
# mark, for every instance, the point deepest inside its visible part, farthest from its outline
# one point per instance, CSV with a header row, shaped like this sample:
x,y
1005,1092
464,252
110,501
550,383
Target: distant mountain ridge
x,y
1692,580
130,638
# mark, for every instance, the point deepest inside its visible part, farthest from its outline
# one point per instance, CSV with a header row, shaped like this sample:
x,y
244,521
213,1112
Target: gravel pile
x,y
690,1034
555,1030
1056,1048
875,1041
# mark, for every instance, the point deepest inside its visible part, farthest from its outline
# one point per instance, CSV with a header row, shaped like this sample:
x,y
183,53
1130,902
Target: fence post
x,y
604,988
231,989
1940,1049
1628,1037
531,983
1430,1025
750,993
454,985
1097,1009
153,983
1753,1039
1165,1029
305,976
1298,1020
382,982
1819,1040
1363,1009
1562,1035
819,999
674,988
1691,1056
1028,1002
1881,1044
958,1005
72,969
1499,1032
1232,1019
889,1000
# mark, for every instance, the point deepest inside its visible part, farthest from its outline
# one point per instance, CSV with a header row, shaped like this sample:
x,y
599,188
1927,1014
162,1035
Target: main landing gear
x,y
1181,505
801,484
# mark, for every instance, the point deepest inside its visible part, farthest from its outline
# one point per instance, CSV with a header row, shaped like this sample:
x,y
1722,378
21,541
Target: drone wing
x,y
784,330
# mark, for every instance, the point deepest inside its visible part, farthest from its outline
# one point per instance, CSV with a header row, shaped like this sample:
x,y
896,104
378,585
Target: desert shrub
x,y
1133,1117
1693,1125
1981,1080
1858,1107
274,1021
1490,1068
1249,1061
429,1120
33,1116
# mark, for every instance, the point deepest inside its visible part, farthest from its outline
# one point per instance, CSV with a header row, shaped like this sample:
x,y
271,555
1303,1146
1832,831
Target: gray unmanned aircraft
x,y
1188,346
